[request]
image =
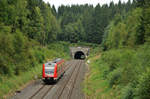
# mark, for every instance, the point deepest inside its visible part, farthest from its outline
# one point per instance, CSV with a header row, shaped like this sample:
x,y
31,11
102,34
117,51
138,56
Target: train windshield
x,y
50,64
49,68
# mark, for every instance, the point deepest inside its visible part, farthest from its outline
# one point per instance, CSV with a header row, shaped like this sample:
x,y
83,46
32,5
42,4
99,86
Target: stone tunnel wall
x,y
73,50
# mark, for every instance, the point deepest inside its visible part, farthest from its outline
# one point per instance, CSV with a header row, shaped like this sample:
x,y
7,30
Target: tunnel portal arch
x,y
79,52
79,55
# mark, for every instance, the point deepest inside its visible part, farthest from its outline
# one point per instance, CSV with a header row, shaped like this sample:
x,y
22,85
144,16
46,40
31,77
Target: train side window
x,y
61,67
58,68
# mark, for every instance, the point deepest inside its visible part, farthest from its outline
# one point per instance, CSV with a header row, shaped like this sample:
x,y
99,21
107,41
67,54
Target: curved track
x,y
68,86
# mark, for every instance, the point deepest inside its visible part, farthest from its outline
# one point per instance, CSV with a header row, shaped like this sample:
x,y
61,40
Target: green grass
x,y
10,84
95,87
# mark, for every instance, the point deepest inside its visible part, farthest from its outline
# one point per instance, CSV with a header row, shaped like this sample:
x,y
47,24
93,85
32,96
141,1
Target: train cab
x,y
53,70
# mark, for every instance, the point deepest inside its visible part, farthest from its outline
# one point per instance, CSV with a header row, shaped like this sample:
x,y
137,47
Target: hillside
x,y
123,69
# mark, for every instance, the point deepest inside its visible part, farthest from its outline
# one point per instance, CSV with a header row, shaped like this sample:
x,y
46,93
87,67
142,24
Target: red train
x,y
53,70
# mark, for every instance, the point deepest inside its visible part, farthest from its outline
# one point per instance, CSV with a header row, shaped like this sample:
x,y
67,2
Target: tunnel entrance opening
x,y
79,55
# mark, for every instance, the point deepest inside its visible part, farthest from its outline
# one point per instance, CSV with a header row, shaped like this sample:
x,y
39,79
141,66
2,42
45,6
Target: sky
x,y
57,3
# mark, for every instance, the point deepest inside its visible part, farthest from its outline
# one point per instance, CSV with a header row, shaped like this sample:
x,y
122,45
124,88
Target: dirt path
x,y
68,87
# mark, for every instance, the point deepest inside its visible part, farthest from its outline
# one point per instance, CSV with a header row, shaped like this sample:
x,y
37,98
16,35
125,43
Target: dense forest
x,y
85,23
23,24
29,27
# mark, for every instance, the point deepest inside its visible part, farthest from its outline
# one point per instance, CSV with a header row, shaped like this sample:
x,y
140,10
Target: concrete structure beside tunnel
x,y
79,52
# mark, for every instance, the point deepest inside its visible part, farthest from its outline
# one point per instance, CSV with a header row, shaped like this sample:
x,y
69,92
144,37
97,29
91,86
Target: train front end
x,y
49,72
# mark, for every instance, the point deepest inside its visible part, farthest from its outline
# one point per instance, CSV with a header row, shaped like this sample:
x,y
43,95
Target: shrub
x,y
127,92
111,58
114,77
143,88
39,56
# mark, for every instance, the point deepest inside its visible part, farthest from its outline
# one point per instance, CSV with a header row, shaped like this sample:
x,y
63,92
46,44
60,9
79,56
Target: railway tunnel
x,y
79,52
79,55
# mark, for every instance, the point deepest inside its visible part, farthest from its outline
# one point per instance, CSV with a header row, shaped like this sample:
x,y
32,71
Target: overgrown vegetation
x,y
124,73
124,63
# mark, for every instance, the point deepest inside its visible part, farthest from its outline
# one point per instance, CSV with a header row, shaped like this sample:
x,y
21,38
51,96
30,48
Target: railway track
x,y
46,92
40,94
65,88
69,95
60,95
39,91
65,91
67,67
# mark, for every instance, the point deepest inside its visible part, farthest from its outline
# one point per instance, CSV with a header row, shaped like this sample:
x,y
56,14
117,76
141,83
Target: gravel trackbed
x,y
68,87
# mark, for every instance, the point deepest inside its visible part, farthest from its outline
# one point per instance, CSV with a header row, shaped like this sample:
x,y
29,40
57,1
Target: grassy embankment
x,y
10,83
119,74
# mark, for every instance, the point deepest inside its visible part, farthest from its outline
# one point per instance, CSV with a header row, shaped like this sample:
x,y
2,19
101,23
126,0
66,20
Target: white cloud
x,y
57,3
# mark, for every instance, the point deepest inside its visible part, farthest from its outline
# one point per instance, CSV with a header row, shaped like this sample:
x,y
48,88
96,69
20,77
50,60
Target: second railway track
x,y
66,88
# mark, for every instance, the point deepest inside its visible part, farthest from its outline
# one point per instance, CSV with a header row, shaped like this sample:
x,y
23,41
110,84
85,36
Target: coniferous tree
x,y
54,11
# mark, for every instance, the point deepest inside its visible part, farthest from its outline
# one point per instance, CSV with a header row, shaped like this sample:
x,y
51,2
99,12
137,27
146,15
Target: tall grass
x,y
11,84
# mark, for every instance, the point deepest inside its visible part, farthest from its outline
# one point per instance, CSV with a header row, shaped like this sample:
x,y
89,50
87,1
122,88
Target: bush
x,y
114,77
143,88
127,92
39,56
124,67
112,59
